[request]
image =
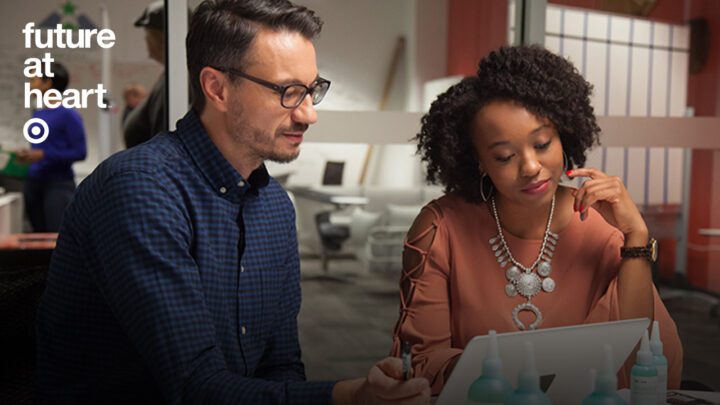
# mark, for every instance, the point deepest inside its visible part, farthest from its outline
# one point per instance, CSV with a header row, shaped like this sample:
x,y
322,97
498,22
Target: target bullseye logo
x,y
36,130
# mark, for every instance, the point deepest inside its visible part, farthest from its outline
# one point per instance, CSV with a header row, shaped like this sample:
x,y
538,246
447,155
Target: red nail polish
x,y
582,208
567,173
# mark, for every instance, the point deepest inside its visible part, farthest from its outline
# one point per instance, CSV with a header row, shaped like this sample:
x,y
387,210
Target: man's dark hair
x,y
221,32
60,78
543,83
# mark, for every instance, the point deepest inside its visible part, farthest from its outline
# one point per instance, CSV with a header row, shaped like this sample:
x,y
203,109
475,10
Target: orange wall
x,y
702,95
475,27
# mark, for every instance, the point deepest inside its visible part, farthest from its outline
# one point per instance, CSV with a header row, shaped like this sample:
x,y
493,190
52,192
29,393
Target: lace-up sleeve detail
x,y
424,318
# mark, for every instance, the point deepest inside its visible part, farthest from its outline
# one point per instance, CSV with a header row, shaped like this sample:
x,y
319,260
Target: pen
x,y
406,360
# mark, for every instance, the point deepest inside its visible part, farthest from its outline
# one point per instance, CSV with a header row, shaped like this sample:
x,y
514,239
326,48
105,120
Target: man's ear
x,y
215,86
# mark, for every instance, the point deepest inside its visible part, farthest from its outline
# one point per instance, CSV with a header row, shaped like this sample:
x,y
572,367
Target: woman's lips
x,y
537,188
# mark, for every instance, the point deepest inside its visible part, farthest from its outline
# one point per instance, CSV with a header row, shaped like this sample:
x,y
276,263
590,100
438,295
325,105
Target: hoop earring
x,y
482,188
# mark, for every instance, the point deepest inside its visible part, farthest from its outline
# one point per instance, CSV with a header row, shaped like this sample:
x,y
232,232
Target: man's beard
x,y
259,142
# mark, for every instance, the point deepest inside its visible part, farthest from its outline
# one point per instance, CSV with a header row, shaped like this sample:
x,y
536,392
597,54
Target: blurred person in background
x,y
50,182
144,114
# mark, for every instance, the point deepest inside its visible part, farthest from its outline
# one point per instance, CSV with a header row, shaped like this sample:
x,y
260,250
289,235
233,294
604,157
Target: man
x,y
144,114
176,273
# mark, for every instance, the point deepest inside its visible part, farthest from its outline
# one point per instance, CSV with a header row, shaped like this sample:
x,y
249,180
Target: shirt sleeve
x,y
425,305
76,148
607,308
143,238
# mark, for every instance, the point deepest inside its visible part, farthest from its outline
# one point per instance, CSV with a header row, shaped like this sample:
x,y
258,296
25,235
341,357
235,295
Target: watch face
x,y
653,250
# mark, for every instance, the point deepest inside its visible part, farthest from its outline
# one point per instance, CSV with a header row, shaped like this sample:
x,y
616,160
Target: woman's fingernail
x,y
582,208
567,173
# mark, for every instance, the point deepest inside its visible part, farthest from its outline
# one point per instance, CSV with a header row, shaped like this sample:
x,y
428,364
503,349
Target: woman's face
x,y
520,152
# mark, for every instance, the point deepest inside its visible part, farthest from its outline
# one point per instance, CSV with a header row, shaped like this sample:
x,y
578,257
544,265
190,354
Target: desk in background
x,y
11,212
26,249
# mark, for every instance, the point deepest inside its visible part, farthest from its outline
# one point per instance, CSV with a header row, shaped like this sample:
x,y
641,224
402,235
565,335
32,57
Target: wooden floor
x,y
346,324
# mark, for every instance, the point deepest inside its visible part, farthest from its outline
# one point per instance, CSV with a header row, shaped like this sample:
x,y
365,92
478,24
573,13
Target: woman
x,y
508,247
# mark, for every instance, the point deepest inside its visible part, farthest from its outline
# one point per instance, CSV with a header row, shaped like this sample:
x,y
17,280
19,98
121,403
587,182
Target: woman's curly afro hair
x,y
545,84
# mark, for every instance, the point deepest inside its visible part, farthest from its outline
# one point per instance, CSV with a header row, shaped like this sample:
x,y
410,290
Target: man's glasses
x,y
291,96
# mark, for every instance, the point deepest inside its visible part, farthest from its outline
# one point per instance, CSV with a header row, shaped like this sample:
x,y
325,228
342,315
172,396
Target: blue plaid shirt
x,y
175,280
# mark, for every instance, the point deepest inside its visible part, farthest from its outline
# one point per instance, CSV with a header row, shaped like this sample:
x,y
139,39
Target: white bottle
x,y
643,377
491,387
528,391
656,346
604,391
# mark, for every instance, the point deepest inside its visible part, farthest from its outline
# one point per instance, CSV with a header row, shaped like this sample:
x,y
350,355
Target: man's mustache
x,y
295,128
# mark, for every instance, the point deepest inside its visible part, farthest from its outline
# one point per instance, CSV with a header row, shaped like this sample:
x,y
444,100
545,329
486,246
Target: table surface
x,y
28,241
327,196
713,397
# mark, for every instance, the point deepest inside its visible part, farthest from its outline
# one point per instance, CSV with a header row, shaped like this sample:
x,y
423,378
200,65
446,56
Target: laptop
x,y
563,357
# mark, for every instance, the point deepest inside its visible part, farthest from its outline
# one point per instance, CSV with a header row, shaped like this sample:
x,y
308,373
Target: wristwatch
x,y
649,252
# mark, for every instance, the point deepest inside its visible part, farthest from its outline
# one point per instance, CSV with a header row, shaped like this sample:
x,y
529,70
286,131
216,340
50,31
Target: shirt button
x,y
242,269
243,330
223,190
241,184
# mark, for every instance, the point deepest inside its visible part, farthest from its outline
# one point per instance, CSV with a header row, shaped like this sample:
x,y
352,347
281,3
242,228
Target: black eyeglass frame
x,y
281,90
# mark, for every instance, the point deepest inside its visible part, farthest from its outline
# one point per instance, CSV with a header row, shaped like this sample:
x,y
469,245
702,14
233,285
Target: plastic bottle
x,y
661,363
528,391
491,387
643,377
605,390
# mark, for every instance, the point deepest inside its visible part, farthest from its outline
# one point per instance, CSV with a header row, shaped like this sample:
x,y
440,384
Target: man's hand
x,y
29,155
383,385
134,94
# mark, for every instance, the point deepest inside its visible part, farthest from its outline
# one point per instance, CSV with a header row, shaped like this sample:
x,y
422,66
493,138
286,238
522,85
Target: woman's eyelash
x,y
543,146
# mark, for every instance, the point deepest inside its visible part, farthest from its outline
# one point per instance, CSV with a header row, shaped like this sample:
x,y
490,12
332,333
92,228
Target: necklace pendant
x,y
544,268
510,290
512,273
548,285
498,253
494,239
528,284
527,306
496,247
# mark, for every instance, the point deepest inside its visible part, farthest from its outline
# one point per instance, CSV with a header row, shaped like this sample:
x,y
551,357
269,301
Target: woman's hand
x,y
608,195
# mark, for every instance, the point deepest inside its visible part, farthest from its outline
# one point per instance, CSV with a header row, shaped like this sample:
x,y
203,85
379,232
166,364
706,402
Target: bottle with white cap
x,y
643,376
491,387
661,363
528,391
604,391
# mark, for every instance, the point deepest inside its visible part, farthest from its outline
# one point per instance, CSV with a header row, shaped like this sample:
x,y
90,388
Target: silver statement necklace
x,y
522,280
